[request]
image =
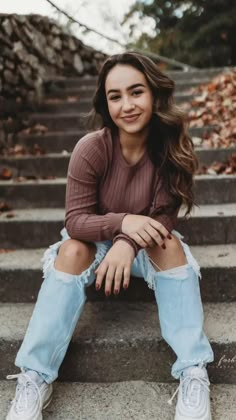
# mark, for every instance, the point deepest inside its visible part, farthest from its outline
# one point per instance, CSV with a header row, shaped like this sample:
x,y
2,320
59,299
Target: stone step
x,y
21,276
80,100
56,141
121,341
56,164
60,104
89,83
209,189
67,121
73,82
128,400
197,74
87,92
209,224
180,86
177,75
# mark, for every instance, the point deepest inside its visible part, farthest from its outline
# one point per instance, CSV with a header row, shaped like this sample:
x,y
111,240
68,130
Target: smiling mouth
x,y
131,117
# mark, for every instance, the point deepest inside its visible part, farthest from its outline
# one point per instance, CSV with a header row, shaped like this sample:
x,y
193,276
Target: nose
x,y
127,105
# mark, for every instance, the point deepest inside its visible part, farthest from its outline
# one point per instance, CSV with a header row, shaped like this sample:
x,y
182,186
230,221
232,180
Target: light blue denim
x,y
62,297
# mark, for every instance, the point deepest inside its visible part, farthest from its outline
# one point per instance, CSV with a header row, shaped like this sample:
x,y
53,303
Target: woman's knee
x,y
173,255
75,254
174,245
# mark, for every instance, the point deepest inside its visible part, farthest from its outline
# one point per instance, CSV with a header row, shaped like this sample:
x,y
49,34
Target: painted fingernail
x,y
163,246
108,293
116,291
125,286
169,236
97,286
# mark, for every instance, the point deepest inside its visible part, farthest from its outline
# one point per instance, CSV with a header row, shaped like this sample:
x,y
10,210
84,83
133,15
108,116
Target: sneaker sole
x,y
46,404
178,417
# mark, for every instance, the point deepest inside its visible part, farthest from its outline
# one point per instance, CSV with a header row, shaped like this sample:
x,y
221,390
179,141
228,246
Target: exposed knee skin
x,y
172,256
75,256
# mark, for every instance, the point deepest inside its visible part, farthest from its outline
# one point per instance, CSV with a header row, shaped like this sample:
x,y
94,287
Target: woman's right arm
x,y
86,166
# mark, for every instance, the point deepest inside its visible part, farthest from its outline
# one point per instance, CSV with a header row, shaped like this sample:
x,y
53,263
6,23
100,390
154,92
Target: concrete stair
x,y
121,341
117,365
209,189
57,141
209,224
21,276
130,400
56,164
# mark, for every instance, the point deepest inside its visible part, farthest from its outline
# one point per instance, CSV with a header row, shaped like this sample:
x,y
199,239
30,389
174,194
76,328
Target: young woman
x,y
126,183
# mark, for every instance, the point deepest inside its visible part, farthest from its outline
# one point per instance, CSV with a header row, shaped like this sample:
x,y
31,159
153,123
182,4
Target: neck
x,y
133,142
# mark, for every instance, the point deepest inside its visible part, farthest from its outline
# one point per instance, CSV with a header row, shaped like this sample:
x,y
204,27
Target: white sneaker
x,y
194,395
31,397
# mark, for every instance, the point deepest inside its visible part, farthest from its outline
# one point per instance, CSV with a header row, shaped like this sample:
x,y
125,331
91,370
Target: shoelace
x,y
192,389
24,383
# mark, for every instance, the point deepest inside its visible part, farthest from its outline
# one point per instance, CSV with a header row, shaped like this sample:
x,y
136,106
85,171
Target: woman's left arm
x,y
169,221
163,199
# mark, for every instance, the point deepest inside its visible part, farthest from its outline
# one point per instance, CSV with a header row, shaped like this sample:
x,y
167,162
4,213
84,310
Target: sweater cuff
x,y
130,241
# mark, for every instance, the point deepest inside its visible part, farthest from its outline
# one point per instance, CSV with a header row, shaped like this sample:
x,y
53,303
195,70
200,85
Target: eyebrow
x,y
129,88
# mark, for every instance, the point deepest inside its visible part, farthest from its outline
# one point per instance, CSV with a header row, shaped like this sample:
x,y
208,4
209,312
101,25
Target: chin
x,y
133,128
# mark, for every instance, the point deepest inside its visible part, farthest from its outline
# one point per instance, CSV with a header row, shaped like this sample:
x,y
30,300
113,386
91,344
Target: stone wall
x,y
34,48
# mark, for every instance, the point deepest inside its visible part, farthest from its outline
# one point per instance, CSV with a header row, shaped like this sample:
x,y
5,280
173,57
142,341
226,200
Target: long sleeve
x,y
162,200
130,241
86,167
158,211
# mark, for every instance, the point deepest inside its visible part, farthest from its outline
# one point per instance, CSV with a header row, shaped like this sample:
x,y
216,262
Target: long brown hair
x,y
169,146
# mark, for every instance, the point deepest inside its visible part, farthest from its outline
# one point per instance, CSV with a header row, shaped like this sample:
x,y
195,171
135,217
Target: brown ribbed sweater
x,y
102,187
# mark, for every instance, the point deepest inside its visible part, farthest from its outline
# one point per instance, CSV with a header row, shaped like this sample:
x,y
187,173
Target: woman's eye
x,y
114,97
137,92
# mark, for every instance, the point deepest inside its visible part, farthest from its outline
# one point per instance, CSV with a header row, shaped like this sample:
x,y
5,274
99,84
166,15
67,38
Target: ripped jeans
x,y
62,297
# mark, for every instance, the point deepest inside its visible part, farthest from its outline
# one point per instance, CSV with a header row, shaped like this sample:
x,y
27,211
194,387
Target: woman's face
x,y
129,98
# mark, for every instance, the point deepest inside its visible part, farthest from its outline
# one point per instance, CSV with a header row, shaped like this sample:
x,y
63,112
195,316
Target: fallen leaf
x,y
72,99
10,215
227,167
215,104
4,206
6,174
4,251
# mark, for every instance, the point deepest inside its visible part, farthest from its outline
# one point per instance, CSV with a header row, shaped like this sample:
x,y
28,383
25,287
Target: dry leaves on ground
x,y
70,99
220,168
4,206
6,209
35,129
5,251
22,150
5,174
215,104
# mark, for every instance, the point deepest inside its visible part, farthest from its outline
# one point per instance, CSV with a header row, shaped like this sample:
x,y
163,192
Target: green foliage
x,y
198,32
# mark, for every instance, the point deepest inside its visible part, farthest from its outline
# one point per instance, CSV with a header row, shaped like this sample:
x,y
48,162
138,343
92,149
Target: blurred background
x,y
198,32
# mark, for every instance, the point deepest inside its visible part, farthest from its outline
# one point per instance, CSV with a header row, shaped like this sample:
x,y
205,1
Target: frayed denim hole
x,y
178,273
189,257
88,274
64,277
149,272
49,258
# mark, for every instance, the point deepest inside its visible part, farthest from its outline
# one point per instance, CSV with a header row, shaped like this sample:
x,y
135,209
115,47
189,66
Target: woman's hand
x,y
115,266
146,231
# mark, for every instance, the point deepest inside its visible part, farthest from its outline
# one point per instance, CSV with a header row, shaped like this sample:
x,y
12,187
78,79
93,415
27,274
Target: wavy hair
x,y
169,146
